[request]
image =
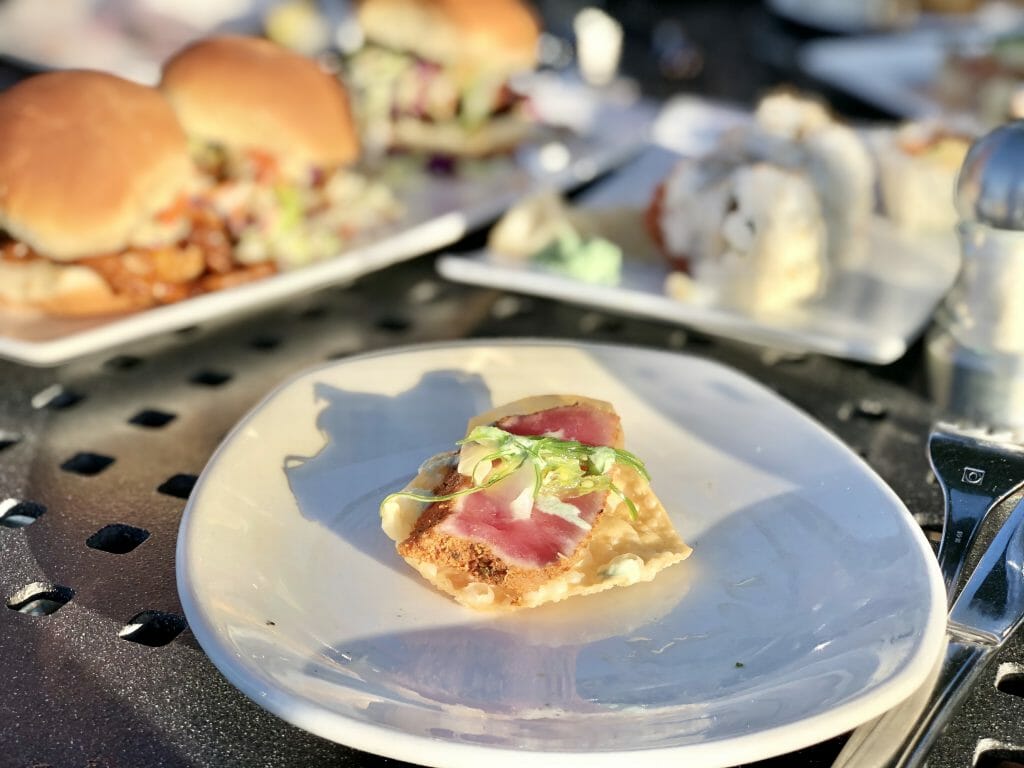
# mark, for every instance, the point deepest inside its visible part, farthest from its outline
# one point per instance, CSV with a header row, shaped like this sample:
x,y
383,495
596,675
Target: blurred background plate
x,y
936,69
893,72
847,16
871,310
127,37
583,132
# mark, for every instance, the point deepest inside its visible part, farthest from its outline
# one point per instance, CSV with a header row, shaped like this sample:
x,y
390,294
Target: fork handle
x,y
902,737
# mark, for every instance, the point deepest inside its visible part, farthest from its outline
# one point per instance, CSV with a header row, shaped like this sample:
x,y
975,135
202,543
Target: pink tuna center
x,y
542,539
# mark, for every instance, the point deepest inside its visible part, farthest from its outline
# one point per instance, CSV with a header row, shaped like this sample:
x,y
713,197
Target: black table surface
x,y
76,692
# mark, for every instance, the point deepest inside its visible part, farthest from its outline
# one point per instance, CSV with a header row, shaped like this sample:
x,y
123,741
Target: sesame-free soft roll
x,y
434,75
94,170
275,139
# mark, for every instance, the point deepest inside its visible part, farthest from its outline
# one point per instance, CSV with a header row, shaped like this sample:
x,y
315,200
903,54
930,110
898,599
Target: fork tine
x,y
991,605
976,471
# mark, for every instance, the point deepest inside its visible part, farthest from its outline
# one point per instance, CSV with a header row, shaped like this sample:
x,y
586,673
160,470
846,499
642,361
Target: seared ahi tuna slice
x,y
540,504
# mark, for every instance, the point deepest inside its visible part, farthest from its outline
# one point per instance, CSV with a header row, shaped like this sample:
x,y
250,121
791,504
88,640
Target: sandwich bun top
x,y
86,159
250,93
493,36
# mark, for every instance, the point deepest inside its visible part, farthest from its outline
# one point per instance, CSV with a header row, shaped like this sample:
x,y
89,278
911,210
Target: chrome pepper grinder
x,y
975,348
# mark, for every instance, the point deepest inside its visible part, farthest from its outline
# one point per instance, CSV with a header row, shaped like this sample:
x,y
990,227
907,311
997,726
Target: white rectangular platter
x,y
870,312
585,133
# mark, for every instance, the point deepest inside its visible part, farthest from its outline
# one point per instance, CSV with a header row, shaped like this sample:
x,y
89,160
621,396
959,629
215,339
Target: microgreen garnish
x,y
562,468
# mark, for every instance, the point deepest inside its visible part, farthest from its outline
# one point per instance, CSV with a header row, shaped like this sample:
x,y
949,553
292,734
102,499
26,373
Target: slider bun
x,y
63,290
250,93
496,36
85,159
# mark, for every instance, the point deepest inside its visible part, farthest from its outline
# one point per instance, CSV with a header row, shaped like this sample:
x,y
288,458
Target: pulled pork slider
x,y
249,94
93,169
433,75
274,138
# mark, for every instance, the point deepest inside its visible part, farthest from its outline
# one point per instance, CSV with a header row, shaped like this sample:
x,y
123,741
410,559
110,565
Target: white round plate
x,y
811,602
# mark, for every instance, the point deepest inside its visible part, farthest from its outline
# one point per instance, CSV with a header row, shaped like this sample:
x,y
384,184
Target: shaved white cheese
x,y
516,491
471,462
602,459
521,506
553,506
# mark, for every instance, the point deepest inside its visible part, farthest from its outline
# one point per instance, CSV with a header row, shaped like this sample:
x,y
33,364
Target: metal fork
x,y
976,474
977,471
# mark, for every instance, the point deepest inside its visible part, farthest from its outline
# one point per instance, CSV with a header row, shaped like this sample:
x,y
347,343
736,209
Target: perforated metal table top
x,y
99,456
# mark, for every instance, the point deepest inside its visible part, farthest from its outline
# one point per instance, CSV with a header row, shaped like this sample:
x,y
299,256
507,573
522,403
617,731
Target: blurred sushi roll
x,y
752,234
685,215
774,239
799,134
918,166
